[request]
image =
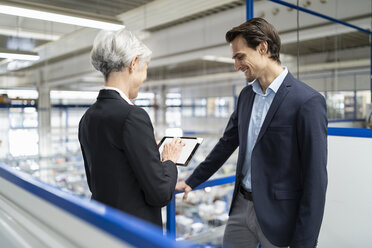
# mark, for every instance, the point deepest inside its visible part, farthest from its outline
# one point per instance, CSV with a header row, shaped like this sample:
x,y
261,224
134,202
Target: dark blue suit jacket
x,y
122,160
289,176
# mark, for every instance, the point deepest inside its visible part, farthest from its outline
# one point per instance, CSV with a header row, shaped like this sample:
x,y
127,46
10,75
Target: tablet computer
x,y
191,145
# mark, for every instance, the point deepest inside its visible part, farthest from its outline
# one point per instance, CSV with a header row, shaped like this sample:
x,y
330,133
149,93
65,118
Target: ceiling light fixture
x,y
54,17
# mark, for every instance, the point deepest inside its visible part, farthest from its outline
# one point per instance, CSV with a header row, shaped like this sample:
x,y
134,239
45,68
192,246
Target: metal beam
x,y
293,6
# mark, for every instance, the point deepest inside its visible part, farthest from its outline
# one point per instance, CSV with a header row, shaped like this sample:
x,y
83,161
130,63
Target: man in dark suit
x,y
280,127
121,157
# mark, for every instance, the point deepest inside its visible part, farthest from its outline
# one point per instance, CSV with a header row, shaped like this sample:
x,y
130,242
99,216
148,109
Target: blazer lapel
x,y
246,116
279,97
247,113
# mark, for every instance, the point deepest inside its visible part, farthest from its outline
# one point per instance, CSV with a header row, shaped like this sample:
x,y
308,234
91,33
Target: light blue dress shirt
x,y
261,105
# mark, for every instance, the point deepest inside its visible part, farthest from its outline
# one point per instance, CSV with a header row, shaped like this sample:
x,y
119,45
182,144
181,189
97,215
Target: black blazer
x,y
289,176
121,158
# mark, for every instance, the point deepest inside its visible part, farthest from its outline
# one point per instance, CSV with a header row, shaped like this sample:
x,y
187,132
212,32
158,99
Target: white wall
x,y
348,215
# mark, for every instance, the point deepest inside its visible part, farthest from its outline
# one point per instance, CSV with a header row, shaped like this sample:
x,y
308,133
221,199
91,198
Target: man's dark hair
x,y
255,31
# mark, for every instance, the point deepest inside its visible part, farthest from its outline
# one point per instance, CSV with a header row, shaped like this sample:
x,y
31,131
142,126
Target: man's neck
x,y
272,71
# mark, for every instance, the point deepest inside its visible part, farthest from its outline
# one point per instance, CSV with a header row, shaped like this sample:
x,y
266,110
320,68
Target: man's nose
x,y
237,65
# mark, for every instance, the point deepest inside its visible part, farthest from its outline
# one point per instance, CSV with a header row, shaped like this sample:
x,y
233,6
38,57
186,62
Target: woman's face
x,y
139,75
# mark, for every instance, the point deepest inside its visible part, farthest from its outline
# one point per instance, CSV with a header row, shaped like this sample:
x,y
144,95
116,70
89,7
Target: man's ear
x,y
133,64
263,48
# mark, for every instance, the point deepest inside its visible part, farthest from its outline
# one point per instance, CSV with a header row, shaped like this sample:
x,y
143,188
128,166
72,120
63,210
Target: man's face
x,y
247,60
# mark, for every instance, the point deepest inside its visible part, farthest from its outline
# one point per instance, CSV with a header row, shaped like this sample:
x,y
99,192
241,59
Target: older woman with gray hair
x,y
121,158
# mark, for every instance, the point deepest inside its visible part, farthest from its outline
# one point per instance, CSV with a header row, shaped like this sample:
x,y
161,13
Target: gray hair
x,y
115,50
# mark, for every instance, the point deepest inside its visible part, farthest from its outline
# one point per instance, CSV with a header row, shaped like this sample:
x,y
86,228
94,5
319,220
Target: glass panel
x,y
173,117
363,98
30,118
187,111
340,105
23,142
16,117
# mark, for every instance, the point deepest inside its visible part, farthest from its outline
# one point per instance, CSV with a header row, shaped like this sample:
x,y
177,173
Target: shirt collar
x,y
274,86
121,93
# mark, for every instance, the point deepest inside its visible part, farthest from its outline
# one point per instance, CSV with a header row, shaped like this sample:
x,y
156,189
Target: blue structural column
x,y
249,6
249,13
171,218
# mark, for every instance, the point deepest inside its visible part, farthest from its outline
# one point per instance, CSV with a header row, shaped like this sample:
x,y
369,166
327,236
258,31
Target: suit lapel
x,y
246,116
279,97
247,113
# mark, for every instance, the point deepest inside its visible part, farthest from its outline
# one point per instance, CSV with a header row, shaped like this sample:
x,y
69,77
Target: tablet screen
x,y
191,145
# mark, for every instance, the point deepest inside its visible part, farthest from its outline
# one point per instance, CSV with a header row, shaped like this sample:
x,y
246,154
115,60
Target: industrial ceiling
x,y
184,36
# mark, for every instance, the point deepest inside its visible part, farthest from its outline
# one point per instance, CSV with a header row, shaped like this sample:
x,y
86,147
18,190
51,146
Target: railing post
x,y
171,218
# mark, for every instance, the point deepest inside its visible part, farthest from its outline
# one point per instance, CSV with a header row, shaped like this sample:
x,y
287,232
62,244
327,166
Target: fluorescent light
x,y
19,56
218,59
53,17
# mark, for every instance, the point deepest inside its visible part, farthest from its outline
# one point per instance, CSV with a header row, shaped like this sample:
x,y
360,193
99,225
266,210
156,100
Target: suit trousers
x,y
242,229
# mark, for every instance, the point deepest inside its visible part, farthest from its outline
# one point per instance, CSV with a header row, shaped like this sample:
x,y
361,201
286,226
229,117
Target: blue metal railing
x,y
350,132
124,227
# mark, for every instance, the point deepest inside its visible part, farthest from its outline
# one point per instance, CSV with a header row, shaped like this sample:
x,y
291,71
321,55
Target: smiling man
x,y
280,127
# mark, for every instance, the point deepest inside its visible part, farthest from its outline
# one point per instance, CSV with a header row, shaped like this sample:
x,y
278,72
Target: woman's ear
x,y
133,64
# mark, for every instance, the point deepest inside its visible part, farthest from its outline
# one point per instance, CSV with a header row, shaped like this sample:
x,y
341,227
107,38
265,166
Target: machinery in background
x,y
5,101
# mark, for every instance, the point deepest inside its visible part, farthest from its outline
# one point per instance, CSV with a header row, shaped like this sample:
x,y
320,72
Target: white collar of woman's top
x,y
121,93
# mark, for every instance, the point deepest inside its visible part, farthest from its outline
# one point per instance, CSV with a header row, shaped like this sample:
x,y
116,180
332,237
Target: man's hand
x,y
172,150
183,187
